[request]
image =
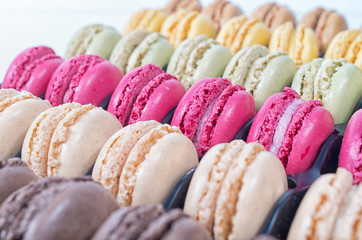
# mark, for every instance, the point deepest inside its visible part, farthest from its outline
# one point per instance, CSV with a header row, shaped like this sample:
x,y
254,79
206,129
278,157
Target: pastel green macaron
x,y
139,48
198,58
336,83
93,39
261,73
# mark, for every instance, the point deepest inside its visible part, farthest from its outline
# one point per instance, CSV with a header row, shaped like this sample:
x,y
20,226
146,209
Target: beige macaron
x,y
331,209
142,162
65,140
17,112
233,190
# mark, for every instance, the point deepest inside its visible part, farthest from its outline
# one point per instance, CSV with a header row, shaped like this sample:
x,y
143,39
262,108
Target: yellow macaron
x,y
148,19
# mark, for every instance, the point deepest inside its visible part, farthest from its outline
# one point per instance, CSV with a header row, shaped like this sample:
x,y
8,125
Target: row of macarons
x,y
232,192
91,79
180,19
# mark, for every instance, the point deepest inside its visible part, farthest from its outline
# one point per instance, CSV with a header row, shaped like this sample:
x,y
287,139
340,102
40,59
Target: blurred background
x,y
27,23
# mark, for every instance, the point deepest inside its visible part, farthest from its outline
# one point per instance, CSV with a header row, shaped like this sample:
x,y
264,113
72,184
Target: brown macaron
x,y
326,23
176,5
273,15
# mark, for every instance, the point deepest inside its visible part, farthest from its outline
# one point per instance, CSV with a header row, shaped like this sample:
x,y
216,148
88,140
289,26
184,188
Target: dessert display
x,y
139,48
197,58
300,43
335,83
273,15
146,93
184,130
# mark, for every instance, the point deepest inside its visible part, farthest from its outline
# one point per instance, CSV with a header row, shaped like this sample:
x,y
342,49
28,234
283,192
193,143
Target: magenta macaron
x,y
83,79
212,111
292,129
350,156
145,93
31,70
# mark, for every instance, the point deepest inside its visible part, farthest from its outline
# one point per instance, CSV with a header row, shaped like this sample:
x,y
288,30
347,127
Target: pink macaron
x,y
292,129
83,79
145,93
350,156
212,111
32,69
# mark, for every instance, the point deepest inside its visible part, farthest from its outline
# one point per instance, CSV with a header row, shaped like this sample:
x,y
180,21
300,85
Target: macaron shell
x,y
81,142
318,211
163,166
345,92
350,156
348,224
277,16
37,140
14,123
97,84
281,37
171,23
73,214
340,44
182,27
113,155
211,63
277,73
257,34
354,52
103,43
228,32
238,201
163,99
202,25
316,127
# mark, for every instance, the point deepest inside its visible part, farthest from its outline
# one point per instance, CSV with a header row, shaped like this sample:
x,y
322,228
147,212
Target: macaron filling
x,y
283,124
145,94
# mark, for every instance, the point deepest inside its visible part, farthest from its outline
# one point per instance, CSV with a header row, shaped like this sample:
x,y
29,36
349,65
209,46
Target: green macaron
x,y
93,39
139,48
336,83
198,58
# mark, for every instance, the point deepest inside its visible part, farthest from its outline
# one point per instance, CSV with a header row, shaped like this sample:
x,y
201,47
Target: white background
x,y
27,23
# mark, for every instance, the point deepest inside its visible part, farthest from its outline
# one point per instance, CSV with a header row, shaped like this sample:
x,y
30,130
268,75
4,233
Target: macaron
x,y
148,19
17,112
261,73
273,15
145,93
350,156
95,39
139,48
232,190
346,44
177,5
184,24
56,208
220,11
66,140
300,43
31,70
212,111
14,174
142,162
330,209
198,58
150,222
336,83
83,79
325,23
292,129
240,32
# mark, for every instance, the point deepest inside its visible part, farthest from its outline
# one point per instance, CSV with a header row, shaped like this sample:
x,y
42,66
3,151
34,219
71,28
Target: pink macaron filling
x,y
129,88
148,107
67,77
